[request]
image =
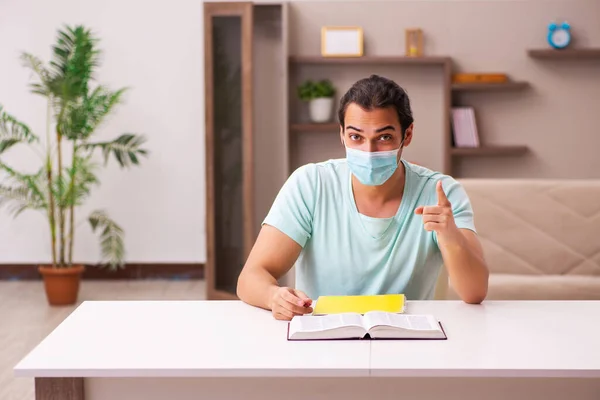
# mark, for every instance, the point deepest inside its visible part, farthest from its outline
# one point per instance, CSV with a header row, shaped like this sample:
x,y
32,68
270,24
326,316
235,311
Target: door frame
x,y
245,11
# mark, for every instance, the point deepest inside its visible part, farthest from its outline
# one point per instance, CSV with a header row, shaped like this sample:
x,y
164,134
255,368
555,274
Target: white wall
x,y
156,48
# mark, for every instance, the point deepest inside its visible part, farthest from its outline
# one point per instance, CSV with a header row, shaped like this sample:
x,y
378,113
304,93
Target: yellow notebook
x,y
393,303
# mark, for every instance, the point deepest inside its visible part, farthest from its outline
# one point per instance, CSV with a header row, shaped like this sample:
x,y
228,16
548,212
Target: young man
x,y
371,223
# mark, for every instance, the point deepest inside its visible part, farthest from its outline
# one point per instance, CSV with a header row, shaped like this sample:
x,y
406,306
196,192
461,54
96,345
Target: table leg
x,y
59,389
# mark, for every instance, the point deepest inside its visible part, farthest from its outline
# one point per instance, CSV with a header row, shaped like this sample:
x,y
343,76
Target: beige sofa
x,y
541,238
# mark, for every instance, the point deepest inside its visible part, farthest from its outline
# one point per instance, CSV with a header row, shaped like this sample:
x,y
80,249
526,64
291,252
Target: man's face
x,y
373,130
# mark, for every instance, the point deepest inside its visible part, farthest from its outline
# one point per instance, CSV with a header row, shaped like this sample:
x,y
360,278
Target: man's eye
x,y
354,137
385,138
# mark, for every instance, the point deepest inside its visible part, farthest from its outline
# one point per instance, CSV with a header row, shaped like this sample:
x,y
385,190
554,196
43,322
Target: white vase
x,y
320,109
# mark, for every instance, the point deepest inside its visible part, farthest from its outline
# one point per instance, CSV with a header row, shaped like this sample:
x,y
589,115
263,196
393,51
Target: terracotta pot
x,y
61,284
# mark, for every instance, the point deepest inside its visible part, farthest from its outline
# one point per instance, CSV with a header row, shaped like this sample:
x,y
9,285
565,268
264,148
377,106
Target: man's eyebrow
x,y
385,128
353,128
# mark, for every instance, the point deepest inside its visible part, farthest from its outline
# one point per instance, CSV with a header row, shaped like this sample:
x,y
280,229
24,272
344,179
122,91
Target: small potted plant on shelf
x,y
76,107
319,96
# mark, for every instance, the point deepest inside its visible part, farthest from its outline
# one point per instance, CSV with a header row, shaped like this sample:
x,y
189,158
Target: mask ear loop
x,y
400,148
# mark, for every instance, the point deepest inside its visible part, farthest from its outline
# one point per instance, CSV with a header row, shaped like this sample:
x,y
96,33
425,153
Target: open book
x,y
374,325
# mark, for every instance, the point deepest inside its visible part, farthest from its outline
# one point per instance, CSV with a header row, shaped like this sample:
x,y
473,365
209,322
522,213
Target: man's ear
x,y
342,135
408,135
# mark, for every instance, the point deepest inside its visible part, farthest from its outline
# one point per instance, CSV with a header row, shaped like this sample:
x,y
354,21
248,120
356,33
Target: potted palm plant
x,y
77,105
319,96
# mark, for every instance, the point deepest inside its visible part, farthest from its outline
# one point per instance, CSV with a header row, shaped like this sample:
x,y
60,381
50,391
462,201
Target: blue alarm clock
x,y
559,36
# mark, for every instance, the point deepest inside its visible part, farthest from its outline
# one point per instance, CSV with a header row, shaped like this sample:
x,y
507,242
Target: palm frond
x,y
126,149
111,238
36,65
26,193
13,131
19,199
33,182
83,175
86,114
74,58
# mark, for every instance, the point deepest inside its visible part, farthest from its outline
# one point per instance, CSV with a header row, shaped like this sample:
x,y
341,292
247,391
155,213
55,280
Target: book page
x,y
421,323
404,321
317,323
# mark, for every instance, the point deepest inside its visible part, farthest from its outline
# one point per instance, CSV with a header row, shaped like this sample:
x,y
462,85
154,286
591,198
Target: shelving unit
x,y
489,87
491,151
565,54
370,60
450,89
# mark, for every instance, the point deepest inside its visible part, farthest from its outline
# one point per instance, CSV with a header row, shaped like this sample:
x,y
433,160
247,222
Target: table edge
x,y
306,373
485,373
191,373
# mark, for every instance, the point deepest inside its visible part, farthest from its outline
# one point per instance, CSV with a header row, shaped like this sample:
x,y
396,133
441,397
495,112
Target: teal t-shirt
x,y
347,253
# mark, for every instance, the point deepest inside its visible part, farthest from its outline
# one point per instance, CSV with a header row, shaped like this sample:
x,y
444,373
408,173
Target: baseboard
x,y
179,271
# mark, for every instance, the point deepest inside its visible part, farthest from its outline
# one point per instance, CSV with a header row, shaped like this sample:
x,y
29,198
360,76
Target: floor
x,y
25,317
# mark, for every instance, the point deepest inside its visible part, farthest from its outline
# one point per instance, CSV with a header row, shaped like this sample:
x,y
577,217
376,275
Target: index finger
x,y
293,308
442,198
303,296
295,304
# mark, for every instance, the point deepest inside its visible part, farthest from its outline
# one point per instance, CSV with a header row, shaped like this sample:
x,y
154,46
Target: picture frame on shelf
x,y
342,41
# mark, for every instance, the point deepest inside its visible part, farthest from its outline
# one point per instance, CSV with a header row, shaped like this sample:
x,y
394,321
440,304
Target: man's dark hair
x,y
378,92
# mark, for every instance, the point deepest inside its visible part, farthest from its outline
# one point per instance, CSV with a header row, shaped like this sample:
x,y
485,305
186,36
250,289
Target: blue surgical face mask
x,y
372,168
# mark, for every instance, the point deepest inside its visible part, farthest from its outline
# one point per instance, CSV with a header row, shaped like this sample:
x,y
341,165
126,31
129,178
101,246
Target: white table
x,y
224,350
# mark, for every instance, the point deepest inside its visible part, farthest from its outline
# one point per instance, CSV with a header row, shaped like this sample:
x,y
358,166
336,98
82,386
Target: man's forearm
x,y
256,287
467,269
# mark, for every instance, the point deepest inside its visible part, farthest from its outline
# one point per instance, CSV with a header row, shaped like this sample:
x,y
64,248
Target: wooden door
x,y
228,99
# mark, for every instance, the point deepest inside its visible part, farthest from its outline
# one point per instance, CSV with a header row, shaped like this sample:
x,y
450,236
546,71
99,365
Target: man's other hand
x,y
287,302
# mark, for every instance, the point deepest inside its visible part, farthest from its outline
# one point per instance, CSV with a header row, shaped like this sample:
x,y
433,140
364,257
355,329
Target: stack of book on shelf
x,y
464,127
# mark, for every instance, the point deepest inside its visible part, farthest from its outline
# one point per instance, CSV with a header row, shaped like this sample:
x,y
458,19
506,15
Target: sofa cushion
x,y
538,227
545,287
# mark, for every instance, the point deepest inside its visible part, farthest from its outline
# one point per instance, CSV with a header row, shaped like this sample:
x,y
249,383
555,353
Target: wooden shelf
x,y
489,151
370,60
489,87
310,127
581,54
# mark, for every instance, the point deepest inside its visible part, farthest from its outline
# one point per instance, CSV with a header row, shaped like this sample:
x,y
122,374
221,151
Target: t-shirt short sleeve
x,y
292,211
461,205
